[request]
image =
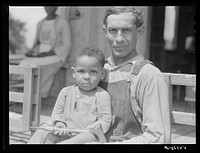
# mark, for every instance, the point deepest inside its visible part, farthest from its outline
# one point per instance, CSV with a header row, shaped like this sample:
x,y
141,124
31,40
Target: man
x,y
139,94
51,47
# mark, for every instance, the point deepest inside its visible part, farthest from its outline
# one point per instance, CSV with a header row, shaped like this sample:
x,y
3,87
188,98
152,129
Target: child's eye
x,y
80,71
94,72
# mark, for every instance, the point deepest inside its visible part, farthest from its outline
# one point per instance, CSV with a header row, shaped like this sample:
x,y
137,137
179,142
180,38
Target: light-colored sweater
x,y
80,111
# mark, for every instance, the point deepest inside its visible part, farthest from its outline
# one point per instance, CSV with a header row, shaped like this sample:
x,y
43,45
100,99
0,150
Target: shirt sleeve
x,y
35,47
62,50
152,94
104,111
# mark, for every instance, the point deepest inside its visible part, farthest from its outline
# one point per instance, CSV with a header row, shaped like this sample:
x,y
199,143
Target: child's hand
x,y
59,131
60,125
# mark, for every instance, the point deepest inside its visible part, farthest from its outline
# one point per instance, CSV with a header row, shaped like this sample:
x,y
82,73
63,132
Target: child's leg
x,y
51,139
80,138
43,137
40,137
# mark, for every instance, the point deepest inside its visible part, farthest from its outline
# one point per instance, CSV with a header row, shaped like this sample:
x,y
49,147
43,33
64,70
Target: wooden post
x,y
27,104
36,107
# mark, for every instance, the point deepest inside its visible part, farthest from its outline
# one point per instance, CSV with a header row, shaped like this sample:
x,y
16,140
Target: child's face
x,y
87,72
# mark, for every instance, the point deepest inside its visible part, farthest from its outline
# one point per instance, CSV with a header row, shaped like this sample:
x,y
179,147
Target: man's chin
x,y
119,51
118,54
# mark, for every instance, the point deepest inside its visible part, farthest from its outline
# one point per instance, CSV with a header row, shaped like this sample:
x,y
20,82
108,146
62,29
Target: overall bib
x,y
126,123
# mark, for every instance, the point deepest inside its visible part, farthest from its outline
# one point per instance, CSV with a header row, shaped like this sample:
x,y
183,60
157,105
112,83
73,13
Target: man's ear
x,y
140,31
103,74
73,72
105,30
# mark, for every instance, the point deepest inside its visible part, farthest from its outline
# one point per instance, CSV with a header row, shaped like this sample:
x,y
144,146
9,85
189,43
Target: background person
x,y
51,47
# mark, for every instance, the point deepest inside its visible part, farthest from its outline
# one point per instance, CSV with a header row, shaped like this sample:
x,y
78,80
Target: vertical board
x,y
27,102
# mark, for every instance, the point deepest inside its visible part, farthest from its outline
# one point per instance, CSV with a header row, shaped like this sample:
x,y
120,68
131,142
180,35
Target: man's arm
x,y
152,96
154,101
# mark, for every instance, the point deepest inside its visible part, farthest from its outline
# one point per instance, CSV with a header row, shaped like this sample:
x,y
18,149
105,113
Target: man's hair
x,y
92,52
124,9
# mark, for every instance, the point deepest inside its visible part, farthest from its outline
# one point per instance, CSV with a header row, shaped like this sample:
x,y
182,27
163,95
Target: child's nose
x,y
87,76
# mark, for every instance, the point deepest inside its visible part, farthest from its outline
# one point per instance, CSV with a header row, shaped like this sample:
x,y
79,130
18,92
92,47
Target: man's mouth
x,y
119,47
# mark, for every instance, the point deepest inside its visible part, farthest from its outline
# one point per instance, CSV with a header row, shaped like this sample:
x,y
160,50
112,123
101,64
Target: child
x,y
83,107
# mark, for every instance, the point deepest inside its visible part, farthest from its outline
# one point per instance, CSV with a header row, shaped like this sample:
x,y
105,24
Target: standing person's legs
x,y
48,73
49,66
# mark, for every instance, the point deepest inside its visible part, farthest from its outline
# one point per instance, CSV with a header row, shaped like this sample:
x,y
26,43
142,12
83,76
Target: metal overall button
x,y
121,103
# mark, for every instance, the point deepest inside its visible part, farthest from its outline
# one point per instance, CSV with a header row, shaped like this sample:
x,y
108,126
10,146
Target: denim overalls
x,y
126,122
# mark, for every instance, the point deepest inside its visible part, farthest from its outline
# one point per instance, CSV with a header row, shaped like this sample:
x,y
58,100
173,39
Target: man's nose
x,y
119,37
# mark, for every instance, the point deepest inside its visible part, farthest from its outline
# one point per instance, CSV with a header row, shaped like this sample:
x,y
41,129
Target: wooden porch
x,y
181,134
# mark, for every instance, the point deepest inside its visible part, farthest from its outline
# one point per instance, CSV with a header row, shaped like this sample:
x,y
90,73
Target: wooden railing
x,y
30,98
184,80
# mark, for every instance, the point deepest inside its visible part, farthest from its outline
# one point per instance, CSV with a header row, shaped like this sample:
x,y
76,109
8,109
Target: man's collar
x,y
131,61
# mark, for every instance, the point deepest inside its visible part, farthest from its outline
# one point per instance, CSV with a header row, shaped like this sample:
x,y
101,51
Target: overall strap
x,y
133,103
139,66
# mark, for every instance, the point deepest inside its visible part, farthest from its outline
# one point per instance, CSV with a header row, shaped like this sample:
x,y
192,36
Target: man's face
x,y
121,32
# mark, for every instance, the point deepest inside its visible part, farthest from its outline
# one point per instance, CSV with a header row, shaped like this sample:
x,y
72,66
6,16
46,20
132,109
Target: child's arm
x,y
104,112
58,110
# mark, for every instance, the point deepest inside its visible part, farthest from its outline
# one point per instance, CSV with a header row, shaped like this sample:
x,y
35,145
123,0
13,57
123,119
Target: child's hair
x,y
92,52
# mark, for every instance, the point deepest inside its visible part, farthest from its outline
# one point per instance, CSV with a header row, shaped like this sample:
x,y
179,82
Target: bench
x,y
58,83
179,117
30,97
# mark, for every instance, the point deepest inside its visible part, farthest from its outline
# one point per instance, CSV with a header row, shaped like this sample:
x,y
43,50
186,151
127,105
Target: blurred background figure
x,y
51,47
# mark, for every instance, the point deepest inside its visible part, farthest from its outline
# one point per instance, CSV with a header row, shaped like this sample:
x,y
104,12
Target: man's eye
x,y
112,30
126,30
80,71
